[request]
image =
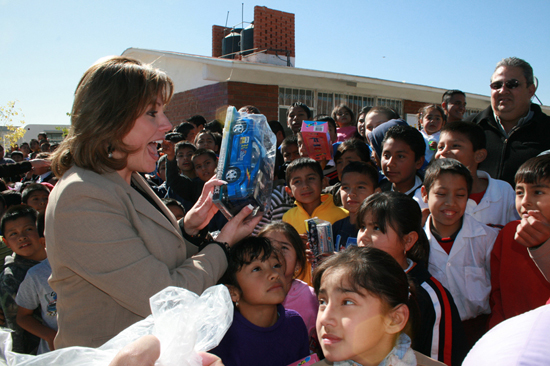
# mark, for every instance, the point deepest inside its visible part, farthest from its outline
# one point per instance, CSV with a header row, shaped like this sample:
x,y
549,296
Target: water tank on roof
x,y
231,43
247,39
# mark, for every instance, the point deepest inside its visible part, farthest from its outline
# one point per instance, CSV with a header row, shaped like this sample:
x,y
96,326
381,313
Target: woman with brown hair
x,y
111,242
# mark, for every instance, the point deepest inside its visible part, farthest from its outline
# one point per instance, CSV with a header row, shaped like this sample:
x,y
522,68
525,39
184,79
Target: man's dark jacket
x,y
505,155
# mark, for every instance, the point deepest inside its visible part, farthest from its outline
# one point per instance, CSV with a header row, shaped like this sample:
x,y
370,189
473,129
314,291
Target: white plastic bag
x,y
183,322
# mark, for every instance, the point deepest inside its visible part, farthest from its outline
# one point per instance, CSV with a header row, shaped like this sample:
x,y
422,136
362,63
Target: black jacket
x,y
505,155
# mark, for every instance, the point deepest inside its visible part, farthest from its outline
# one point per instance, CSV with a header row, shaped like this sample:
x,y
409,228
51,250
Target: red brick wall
x,y
273,29
211,101
412,107
218,34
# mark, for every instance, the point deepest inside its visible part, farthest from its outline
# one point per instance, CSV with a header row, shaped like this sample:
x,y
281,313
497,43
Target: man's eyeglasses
x,y
510,84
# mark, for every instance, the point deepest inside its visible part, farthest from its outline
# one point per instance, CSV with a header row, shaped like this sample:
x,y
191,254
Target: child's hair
x,y
451,93
356,145
245,252
214,126
16,212
30,189
293,237
250,109
40,223
534,170
348,109
184,128
403,215
390,113
441,166
208,152
300,105
409,135
197,120
376,272
302,163
206,132
366,109
290,140
172,202
185,145
217,138
12,198
161,160
16,152
426,110
276,127
473,132
327,119
174,137
362,168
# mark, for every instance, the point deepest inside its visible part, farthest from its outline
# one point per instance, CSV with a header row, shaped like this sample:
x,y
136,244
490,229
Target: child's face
x,y
301,146
361,124
22,237
205,167
351,325
183,159
373,120
205,141
261,283
398,163
161,170
344,160
531,196
447,202
296,115
456,145
370,235
290,153
191,135
306,185
177,211
38,200
432,121
356,187
343,117
279,241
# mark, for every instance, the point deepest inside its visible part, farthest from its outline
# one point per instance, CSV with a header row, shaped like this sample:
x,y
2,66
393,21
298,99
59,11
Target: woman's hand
x,y
203,210
146,350
239,227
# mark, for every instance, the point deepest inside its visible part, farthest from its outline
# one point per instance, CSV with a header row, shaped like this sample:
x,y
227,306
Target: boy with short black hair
x,y
175,207
21,236
184,155
187,130
305,179
460,246
36,195
359,181
517,284
403,150
36,293
492,201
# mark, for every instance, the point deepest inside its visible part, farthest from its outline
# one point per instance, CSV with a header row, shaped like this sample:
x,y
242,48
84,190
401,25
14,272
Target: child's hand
x,y
168,149
533,230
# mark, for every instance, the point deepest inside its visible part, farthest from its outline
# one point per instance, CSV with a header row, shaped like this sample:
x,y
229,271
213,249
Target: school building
x,y
254,65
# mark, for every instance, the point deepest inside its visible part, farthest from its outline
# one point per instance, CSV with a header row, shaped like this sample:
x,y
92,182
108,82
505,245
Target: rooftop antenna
x,y
226,19
242,25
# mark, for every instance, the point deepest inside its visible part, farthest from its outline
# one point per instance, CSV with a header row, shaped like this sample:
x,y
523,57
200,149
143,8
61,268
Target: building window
x,y
323,102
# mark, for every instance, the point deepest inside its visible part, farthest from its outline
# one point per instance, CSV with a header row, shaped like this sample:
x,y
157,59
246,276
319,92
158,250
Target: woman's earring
x,y
110,151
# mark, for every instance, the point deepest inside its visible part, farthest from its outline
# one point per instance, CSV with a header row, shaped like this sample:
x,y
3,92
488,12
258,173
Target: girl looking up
x,y
300,296
364,309
345,120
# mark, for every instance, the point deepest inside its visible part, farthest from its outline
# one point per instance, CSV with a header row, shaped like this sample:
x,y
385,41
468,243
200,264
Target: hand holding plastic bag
x,y
183,322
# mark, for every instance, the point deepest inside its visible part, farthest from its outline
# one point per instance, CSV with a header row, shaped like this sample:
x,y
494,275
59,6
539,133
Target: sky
x,y
45,47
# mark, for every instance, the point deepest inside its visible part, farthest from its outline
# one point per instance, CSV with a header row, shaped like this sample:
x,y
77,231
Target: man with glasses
x,y
515,128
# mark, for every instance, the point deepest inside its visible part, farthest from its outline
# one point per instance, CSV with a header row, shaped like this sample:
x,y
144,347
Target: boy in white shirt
x,y
460,246
492,201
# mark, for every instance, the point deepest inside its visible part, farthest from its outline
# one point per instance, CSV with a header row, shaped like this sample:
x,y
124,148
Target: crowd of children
x,y
439,259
